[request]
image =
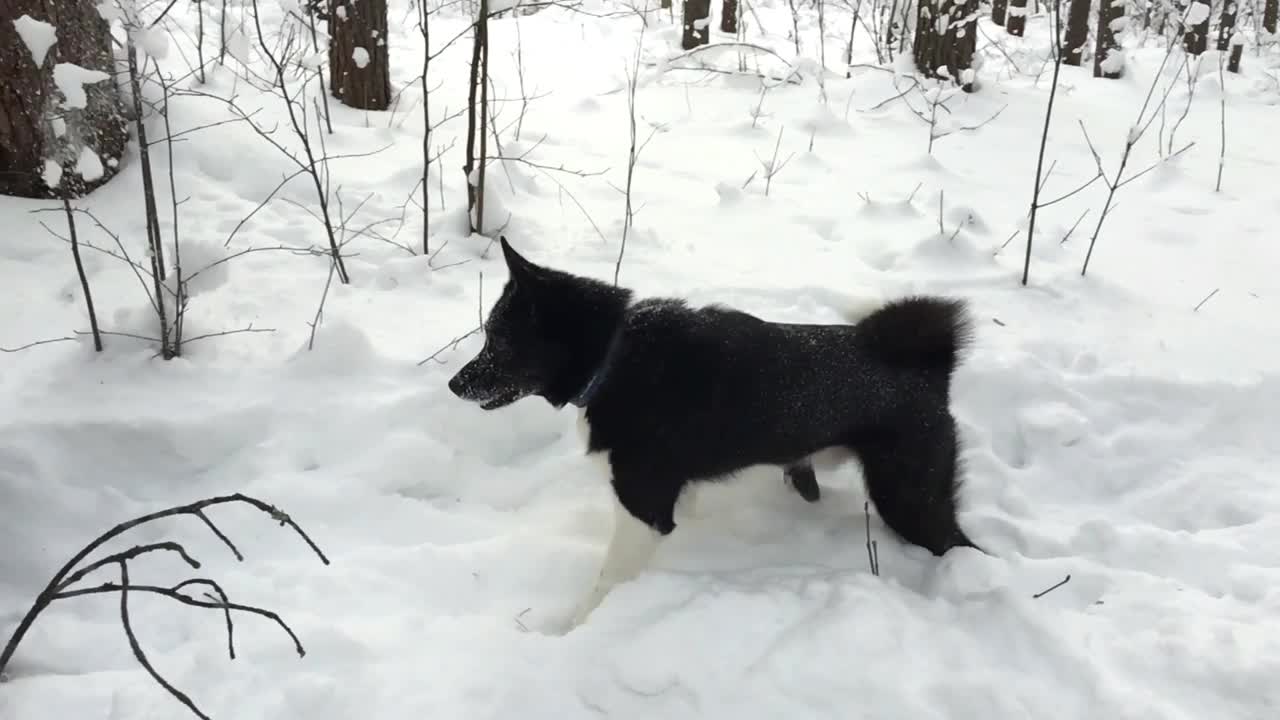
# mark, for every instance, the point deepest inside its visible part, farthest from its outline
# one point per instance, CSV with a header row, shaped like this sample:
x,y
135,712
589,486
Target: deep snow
x,y
1113,432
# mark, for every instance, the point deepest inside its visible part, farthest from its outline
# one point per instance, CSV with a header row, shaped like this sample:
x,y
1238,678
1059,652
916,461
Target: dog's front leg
x,y
642,517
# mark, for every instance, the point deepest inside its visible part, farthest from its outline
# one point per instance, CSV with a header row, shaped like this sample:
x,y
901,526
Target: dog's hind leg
x,y
801,477
643,515
911,475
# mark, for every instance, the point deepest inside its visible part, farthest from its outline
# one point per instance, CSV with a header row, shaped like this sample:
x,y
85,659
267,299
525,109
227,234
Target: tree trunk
x,y
1270,13
1104,64
51,144
729,17
1196,38
1077,33
1226,29
889,34
359,67
999,14
946,38
1016,23
697,18
474,166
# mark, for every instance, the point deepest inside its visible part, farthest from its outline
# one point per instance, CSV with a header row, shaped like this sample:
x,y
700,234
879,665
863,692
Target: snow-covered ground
x,y
1113,431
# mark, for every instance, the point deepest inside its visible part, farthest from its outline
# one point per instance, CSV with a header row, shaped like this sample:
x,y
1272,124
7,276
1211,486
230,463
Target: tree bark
x,y
889,36
38,125
1077,32
475,112
1196,39
729,17
1016,23
1226,29
697,18
945,40
1108,42
1270,13
999,12
359,66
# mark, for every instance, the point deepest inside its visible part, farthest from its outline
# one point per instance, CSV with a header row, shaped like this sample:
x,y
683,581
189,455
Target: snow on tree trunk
x,y
945,39
729,17
1016,23
697,24
359,67
1108,57
1196,39
61,120
1077,36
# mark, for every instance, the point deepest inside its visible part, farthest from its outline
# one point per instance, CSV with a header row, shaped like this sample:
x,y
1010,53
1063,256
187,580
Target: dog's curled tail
x,y
926,333
911,459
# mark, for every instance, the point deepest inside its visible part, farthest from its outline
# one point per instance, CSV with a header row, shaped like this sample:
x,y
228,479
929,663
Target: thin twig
x,y
138,652
125,556
84,280
224,333
315,321
873,554
174,594
1055,586
48,341
1205,300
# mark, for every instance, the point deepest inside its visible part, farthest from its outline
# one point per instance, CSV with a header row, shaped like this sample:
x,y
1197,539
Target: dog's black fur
x,y
674,394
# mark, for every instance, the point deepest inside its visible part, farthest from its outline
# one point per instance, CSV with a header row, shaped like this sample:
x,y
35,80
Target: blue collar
x,y
588,391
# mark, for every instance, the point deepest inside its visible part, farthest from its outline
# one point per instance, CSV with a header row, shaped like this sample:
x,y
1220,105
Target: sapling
x,y
1056,50
772,167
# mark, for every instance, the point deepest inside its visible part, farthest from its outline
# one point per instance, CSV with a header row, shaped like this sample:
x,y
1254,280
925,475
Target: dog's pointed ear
x,y
517,265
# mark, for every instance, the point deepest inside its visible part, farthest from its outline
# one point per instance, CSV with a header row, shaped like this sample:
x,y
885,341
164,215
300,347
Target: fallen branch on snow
x,y
60,587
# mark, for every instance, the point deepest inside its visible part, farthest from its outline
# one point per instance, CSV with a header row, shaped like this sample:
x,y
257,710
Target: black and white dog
x,y
671,395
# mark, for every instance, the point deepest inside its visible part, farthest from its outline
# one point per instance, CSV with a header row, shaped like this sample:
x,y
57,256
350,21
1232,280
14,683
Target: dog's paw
x,y
588,605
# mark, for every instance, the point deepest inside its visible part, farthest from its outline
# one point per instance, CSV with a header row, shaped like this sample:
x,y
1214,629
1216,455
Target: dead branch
x,y
873,549
84,279
1051,588
315,321
47,341
223,333
60,586
792,75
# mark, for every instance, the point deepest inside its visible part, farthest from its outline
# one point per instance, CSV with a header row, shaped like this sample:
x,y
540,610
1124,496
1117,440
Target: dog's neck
x,y
588,391
599,311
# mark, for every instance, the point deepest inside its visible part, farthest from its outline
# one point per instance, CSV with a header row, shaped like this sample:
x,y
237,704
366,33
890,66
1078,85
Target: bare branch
x,y
224,333
175,594
1053,587
48,341
138,652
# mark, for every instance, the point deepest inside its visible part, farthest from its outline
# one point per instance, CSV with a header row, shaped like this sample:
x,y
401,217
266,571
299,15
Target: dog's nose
x,y
455,385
